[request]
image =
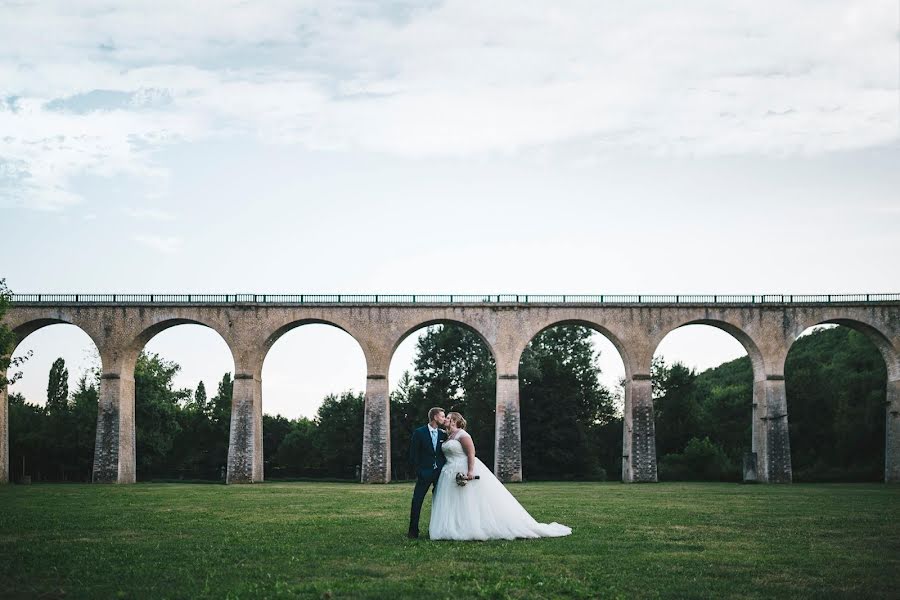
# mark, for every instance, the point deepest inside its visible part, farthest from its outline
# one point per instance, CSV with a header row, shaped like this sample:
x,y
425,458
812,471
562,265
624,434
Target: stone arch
x,y
137,344
523,343
891,356
757,359
21,330
889,353
26,328
382,385
604,331
273,337
440,321
763,405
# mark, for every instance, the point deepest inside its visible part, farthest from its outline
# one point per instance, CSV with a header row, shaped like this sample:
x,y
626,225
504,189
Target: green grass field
x,y
337,540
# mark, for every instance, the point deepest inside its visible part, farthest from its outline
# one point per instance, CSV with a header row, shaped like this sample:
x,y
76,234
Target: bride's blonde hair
x,y
458,419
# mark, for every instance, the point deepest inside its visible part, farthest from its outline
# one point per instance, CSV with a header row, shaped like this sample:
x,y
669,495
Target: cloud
x,y
149,214
164,245
112,85
105,100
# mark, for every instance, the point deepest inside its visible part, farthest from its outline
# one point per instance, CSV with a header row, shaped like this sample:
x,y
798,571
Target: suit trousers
x,y
422,485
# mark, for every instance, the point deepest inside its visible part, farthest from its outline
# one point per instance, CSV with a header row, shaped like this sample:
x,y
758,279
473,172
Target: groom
x,y
427,458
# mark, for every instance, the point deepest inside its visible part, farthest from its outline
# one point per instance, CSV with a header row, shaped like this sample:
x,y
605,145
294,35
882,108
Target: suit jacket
x,y
422,455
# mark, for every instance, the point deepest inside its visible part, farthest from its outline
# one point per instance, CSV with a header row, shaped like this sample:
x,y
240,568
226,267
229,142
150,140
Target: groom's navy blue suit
x,y
427,459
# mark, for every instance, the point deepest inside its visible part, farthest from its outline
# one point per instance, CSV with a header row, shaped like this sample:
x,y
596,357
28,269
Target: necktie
x,y
434,439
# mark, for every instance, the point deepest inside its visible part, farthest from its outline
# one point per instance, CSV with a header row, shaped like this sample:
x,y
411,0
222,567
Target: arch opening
x,y
183,379
836,376
441,363
53,406
313,382
571,395
703,375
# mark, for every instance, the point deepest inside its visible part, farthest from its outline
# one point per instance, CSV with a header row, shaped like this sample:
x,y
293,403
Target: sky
x,y
504,147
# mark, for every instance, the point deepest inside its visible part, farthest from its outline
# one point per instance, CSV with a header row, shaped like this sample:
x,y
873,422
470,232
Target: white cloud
x,y
152,214
110,85
164,245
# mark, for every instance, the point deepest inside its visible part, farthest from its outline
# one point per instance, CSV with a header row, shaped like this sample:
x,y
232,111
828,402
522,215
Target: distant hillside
x,y
835,384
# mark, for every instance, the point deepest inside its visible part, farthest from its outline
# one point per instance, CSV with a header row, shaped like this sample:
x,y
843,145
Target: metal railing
x,y
282,299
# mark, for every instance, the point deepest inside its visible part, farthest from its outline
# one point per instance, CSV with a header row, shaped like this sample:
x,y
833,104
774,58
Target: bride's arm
x,y
468,447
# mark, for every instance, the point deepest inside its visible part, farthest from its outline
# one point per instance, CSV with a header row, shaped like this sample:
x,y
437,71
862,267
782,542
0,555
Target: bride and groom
x,y
469,503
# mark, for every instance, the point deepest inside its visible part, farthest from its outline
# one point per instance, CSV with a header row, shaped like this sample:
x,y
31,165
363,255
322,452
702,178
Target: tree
x,y
217,429
200,397
156,407
299,454
340,427
58,387
454,370
7,342
406,401
275,430
82,425
676,408
835,383
564,407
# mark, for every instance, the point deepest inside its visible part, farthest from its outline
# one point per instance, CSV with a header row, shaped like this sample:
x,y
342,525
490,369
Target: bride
x,y
482,508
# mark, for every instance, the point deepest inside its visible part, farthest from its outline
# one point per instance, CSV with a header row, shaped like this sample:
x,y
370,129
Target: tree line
x,y
571,423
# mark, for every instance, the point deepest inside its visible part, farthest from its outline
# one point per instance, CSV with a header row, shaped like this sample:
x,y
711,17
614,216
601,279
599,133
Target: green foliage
x,y
338,439
156,405
200,398
58,386
57,444
570,427
702,460
7,342
566,413
835,384
454,370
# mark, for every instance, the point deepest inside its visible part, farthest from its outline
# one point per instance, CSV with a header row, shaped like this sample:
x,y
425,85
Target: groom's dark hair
x,y
433,412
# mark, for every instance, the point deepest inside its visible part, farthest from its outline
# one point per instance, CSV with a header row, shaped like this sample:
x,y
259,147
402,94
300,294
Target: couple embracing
x,y
469,503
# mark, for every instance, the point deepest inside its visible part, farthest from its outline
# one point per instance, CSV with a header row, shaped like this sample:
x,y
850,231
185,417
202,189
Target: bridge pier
x,y
773,436
892,433
114,446
4,432
245,449
376,454
639,432
508,437
766,325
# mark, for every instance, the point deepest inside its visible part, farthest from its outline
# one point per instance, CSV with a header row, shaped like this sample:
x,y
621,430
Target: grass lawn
x,y
336,540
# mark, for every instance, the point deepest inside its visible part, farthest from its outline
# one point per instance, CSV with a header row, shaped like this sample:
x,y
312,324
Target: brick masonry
x,y
765,330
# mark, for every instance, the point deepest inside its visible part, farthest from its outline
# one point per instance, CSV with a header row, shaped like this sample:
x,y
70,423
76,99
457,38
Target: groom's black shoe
x,y
413,535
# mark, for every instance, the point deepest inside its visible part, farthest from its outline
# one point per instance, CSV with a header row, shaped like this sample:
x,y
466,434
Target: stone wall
x,y
765,330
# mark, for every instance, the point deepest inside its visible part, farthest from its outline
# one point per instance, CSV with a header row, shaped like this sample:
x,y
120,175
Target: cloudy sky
x,y
577,147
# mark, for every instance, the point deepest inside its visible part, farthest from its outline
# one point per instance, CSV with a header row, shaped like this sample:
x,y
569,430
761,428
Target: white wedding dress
x,y
483,509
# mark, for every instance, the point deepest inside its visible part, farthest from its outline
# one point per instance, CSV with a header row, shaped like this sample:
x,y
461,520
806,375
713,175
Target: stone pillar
x,y
758,438
508,437
4,432
376,454
114,447
892,433
774,442
639,432
245,450
627,426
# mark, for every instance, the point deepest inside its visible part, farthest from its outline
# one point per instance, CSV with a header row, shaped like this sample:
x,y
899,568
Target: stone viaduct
x,y
120,326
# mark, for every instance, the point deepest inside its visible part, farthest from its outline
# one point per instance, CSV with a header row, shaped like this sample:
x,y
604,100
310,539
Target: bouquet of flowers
x,y
461,479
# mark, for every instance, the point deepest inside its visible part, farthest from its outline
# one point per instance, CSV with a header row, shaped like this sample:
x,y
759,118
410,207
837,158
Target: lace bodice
x,y
453,448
